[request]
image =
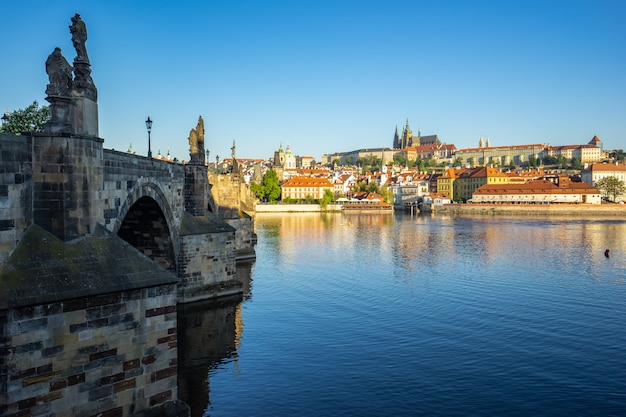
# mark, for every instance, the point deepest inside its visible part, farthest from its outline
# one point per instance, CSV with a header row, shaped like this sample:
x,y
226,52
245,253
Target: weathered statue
x,y
60,74
196,142
78,29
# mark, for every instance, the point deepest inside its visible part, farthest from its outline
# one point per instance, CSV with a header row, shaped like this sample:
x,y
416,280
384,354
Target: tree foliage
x,y
611,187
270,185
326,199
31,119
369,163
269,189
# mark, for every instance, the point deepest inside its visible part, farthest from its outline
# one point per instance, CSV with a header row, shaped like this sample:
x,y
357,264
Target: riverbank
x,y
579,210
295,208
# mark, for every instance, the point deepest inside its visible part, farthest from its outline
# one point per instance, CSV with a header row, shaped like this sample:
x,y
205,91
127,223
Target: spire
x,y
396,139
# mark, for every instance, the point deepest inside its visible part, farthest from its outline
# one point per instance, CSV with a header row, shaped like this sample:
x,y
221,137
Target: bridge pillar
x,y
67,183
196,189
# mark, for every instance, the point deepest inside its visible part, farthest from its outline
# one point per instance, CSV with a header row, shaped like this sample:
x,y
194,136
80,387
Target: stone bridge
x,y
97,250
68,184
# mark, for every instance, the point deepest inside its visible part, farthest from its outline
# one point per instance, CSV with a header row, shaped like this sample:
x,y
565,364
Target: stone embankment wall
x,y
295,208
112,354
580,210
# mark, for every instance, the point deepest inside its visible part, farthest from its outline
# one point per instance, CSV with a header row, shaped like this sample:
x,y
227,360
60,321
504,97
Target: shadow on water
x,y
208,335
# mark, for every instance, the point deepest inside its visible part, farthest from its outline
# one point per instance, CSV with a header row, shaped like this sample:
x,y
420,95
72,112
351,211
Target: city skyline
x,y
325,77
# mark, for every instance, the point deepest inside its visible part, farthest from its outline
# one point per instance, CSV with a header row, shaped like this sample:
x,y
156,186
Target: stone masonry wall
x,y
209,266
226,194
67,180
109,355
15,191
245,236
126,177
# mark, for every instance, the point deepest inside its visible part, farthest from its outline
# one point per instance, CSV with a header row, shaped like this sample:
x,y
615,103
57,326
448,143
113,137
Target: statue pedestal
x,y
60,115
85,116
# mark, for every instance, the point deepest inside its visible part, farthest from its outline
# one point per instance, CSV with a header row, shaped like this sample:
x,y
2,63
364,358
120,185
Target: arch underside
x,y
146,223
145,228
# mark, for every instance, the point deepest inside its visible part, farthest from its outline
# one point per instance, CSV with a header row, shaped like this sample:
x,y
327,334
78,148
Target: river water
x,y
399,315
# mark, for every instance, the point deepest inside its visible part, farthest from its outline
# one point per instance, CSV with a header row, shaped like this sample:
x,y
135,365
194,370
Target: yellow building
x,y
300,188
467,182
445,182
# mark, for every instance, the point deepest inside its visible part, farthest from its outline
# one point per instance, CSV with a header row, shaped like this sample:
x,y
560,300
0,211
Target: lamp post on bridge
x,y
5,119
149,127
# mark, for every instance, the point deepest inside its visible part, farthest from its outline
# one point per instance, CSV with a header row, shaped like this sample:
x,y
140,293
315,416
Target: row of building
x,y
414,147
479,185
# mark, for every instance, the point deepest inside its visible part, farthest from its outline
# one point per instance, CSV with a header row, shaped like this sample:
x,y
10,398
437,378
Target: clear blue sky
x,y
328,76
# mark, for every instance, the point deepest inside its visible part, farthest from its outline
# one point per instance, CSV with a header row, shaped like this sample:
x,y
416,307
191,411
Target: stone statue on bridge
x,y
58,93
60,74
196,143
78,29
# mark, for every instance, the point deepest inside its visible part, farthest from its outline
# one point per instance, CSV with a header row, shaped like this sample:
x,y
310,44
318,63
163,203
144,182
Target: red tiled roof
x,y
606,167
307,182
536,187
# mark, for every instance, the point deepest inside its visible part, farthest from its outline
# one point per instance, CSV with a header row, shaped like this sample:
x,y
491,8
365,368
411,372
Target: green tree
x,y
562,161
611,187
458,162
372,187
399,159
348,160
270,185
257,190
326,199
471,161
576,164
550,160
31,119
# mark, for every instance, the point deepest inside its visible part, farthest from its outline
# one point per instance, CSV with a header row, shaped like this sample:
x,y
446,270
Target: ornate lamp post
x,y
5,119
149,127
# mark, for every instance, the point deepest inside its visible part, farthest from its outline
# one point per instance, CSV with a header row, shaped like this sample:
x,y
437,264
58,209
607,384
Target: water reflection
x,y
209,334
367,314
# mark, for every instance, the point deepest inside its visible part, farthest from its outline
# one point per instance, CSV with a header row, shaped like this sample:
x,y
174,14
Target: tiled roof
x,y
605,167
307,182
536,187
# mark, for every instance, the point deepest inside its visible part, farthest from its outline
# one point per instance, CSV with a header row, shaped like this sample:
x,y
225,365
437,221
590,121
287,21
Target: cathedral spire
x,y
396,139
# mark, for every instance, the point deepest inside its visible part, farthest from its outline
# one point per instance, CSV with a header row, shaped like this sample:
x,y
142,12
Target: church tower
x,y
396,140
407,136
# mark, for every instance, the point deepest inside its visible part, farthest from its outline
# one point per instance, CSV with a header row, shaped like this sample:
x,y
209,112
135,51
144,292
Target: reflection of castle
x,y
407,140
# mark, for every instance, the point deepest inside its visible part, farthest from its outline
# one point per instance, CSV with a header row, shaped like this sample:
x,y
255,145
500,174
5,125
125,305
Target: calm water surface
x,y
394,315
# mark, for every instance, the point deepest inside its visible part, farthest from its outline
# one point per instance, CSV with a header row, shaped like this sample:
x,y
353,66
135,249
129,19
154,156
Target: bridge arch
x,y
147,222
